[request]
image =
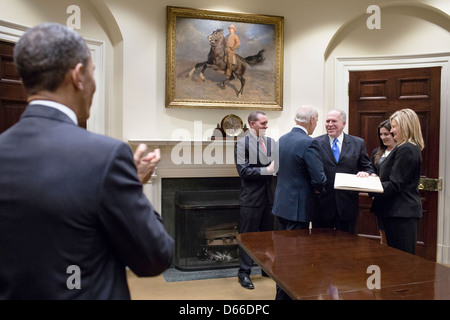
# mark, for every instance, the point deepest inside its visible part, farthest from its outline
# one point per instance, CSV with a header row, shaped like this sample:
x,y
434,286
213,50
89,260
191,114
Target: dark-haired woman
x,y
379,155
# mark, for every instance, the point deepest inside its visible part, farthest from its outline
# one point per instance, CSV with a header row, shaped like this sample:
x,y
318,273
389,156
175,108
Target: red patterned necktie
x,y
261,142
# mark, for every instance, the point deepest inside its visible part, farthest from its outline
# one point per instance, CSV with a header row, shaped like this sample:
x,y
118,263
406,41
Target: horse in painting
x,y
217,61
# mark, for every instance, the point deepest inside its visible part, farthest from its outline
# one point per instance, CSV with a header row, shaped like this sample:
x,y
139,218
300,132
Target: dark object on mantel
x,y
219,134
206,229
231,127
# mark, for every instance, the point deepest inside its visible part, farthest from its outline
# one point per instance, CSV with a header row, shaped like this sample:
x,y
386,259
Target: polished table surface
x,y
330,264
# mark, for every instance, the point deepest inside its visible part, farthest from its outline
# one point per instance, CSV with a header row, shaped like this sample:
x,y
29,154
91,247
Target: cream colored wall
x,y
134,32
309,28
405,31
28,13
306,38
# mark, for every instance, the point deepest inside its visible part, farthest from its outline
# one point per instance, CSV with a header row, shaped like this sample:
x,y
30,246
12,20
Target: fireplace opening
x,y
206,229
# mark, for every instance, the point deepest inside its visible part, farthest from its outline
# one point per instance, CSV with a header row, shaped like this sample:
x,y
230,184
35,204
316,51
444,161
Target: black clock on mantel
x,y
231,126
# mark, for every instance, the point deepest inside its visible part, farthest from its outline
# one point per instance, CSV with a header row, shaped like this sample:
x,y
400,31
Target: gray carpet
x,y
174,275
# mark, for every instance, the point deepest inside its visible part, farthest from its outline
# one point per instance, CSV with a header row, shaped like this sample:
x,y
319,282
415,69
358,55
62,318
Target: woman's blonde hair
x,y
409,124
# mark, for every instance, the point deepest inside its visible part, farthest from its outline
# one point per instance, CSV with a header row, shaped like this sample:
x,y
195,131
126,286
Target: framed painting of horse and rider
x,y
223,60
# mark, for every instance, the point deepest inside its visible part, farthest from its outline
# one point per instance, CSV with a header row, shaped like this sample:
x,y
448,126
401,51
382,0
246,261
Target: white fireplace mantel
x,y
187,159
173,142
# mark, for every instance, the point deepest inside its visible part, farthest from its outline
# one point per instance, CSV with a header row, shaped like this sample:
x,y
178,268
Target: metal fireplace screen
x,y
206,229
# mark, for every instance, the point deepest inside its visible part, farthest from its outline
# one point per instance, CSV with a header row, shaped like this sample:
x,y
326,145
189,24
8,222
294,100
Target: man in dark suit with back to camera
x,y
343,153
300,175
72,211
254,154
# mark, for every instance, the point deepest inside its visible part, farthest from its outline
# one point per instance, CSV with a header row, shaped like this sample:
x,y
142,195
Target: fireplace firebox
x,y
206,225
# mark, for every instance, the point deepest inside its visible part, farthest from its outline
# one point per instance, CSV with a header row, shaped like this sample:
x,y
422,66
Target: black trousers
x,y
252,220
284,224
401,233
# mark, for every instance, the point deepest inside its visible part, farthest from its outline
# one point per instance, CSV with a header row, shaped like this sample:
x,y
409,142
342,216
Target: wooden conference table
x,y
330,264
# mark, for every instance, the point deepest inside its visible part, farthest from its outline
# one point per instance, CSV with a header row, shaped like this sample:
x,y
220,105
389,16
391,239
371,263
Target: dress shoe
x,y
246,282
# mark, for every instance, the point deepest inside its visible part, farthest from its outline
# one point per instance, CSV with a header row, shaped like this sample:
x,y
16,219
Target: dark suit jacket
x,y
300,172
71,197
256,185
353,158
372,160
399,175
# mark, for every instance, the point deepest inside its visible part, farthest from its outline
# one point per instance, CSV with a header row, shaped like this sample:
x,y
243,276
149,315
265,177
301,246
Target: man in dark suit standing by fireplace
x,y
254,155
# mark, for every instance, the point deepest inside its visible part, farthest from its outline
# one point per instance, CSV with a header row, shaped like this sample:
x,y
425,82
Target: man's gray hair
x,y
343,114
45,53
305,113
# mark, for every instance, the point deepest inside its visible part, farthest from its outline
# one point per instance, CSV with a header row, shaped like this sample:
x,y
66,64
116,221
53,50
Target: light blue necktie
x,y
335,150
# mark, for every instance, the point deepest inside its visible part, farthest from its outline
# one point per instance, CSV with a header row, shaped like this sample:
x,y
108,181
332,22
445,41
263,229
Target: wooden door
x,y
13,98
373,97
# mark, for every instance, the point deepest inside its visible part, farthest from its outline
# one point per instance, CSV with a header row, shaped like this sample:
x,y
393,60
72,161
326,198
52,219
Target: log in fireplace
x,y
206,225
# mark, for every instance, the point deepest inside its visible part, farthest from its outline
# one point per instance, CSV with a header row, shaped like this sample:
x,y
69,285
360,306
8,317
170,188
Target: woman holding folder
x,y
399,206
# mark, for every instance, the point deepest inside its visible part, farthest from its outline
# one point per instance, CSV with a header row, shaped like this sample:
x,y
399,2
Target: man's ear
x,y
77,76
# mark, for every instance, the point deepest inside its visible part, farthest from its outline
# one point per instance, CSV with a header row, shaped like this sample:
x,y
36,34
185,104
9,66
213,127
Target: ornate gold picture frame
x,y
198,74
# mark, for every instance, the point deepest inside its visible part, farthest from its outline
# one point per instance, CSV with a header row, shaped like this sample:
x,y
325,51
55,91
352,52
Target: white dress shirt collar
x,y
52,104
340,140
299,126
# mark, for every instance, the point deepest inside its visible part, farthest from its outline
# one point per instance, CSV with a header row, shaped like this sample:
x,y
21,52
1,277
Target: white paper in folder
x,y
346,181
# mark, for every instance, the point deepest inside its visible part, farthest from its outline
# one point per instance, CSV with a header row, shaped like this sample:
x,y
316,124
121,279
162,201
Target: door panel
x,y
373,97
13,98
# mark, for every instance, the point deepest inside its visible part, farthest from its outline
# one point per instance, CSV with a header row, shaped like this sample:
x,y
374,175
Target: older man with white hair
x,y
300,175
343,153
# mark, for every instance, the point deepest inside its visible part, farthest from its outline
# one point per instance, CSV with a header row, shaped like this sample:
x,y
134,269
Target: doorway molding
x,y
343,66
11,32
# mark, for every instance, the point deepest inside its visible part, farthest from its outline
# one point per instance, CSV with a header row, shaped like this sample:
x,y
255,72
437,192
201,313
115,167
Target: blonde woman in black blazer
x,y
399,206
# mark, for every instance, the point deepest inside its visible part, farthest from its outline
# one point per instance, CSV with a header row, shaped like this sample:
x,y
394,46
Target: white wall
x,y
309,28
28,13
405,31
